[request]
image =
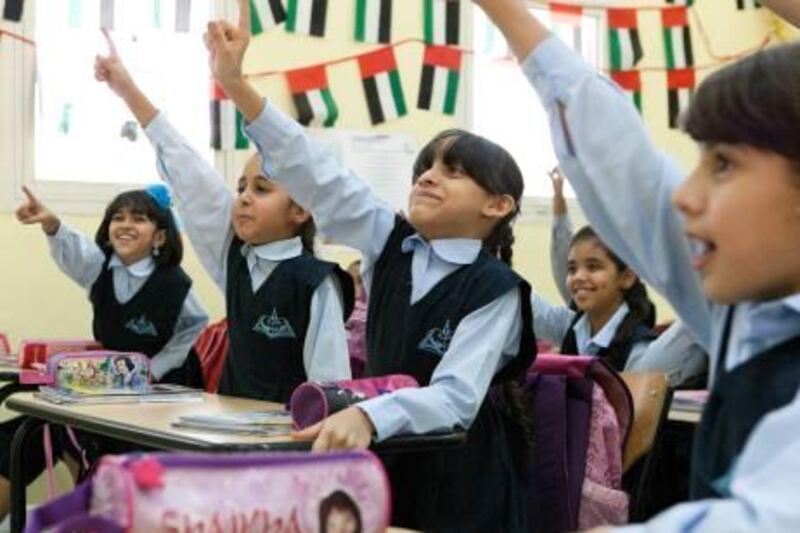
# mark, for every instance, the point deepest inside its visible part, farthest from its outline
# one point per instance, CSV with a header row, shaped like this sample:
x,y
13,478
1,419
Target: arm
x,y
675,352
550,322
560,236
190,324
788,9
763,486
325,353
623,182
202,198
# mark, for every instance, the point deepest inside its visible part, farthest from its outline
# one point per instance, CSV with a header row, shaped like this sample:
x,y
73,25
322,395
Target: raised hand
x,y
32,211
227,44
557,181
110,69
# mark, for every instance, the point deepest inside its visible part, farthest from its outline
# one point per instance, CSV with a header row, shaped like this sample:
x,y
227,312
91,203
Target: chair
x,y
651,401
212,347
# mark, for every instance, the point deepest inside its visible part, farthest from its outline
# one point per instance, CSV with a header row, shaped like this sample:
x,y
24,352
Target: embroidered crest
x,y
437,340
274,327
142,326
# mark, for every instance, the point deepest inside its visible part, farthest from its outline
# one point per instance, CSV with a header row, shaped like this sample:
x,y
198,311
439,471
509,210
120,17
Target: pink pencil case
x,y
33,352
312,402
97,370
295,492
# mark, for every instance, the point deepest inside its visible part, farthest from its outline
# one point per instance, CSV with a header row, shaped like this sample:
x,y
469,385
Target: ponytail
x,y
500,243
641,311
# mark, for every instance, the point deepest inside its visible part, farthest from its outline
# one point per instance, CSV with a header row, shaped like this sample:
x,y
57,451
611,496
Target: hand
x,y
110,70
346,430
34,212
557,180
227,45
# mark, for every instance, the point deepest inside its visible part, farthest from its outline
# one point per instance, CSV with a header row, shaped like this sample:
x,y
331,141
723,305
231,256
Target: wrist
x,y
232,82
51,226
367,422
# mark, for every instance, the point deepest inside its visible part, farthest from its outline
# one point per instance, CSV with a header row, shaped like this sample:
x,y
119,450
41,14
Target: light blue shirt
x,y
624,185
347,210
205,205
82,260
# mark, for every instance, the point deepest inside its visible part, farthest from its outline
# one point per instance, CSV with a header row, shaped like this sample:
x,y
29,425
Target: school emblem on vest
x,y
274,327
142,326
437,340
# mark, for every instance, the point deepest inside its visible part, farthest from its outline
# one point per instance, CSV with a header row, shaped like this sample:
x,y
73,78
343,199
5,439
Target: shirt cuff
x,y
552,68
64,230
386,415
270,132
160,131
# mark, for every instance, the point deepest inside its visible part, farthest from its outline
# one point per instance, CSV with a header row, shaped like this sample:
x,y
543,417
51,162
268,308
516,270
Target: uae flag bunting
x,y
677,38
312,96
687,3
680,84
183,15
566,21
382,87
374,21
172,14
107,14
12,10
264,14
226,122
631,82
623,39
306,17
741,5
441,21
438,88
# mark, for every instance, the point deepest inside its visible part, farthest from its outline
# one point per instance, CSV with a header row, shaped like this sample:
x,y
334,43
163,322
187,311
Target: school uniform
x,y
311,296
748,483
456,342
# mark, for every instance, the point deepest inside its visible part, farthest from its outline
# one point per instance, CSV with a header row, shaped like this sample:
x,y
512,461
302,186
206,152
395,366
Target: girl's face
x,y
596,284
133,235
341,521
446,202
263,212
742,215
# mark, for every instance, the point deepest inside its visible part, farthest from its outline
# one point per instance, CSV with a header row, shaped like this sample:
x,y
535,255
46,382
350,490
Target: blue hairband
x,y
160,195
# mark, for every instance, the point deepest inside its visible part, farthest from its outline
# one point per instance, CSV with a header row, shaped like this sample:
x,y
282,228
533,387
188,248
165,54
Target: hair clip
x,y
160,194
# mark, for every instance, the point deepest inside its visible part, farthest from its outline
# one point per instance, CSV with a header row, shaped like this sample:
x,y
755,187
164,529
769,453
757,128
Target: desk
x,y
149,425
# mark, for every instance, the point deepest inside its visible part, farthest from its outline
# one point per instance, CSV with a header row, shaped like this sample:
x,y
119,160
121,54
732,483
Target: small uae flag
x,y
441,21
631,82
680,83
438,88
374,21
566,21
306,16
12,10
677,38
382,87
226,122
623,39
312,96
741,5
264,14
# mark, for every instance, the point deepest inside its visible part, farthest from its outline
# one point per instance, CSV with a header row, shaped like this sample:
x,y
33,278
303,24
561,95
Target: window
x,y
501,94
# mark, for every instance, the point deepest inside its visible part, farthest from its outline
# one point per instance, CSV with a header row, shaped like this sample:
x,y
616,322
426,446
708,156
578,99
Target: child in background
x,y
356,325
444,306
740,209
141,298
285,308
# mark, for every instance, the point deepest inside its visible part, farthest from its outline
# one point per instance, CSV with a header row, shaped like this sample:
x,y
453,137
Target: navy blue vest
x,y
739,399
476,487
147,321
267,329
615,355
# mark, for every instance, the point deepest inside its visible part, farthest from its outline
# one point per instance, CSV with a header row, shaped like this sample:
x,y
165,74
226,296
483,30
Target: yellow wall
x,y
37,300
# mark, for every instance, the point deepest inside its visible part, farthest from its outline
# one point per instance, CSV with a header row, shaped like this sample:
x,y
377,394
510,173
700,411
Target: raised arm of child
x,y
624,184
560,235
203,200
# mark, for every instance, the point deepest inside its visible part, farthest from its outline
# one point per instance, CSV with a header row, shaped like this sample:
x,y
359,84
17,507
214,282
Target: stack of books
x,y
261,423
690,400
159,392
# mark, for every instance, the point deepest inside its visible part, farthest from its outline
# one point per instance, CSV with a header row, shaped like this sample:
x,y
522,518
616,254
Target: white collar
x,y
458,251
605,336
140,269
276,250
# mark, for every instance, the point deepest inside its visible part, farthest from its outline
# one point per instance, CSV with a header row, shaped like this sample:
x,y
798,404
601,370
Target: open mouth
x,y
702,251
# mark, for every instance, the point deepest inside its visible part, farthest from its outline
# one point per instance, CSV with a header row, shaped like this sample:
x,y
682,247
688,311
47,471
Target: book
x,y
690,400
264,423
159,392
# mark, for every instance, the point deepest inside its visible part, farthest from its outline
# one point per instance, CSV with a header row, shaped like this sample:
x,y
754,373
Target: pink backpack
x,y
286,492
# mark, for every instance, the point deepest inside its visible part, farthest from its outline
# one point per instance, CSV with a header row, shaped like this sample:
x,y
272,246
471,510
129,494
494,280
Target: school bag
x,y
312,402
561,391
288,492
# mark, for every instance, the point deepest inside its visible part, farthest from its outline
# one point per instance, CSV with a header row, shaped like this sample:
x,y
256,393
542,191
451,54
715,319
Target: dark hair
x,y
130,365
308,230
490,166
140,202
640,309
338,499
755,101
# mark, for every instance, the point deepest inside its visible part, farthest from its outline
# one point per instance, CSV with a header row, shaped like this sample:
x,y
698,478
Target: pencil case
x,y
92,371
312,402
162,492
35,352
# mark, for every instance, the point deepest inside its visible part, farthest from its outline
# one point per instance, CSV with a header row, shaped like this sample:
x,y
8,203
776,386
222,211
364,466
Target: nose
x,y
244,197
427,178
689,196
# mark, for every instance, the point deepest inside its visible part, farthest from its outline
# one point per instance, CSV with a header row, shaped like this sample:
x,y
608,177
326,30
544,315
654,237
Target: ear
x,y
298,215
160,238
628,279
498,206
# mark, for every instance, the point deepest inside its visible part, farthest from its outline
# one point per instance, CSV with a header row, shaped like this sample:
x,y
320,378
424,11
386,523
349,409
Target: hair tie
x,y
160,195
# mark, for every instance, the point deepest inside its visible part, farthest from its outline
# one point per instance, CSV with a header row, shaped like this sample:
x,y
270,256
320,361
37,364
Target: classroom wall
x,y
37,300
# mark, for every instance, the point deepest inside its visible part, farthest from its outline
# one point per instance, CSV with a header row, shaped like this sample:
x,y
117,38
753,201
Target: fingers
x,y
112,48
308,433
31,197
244,16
